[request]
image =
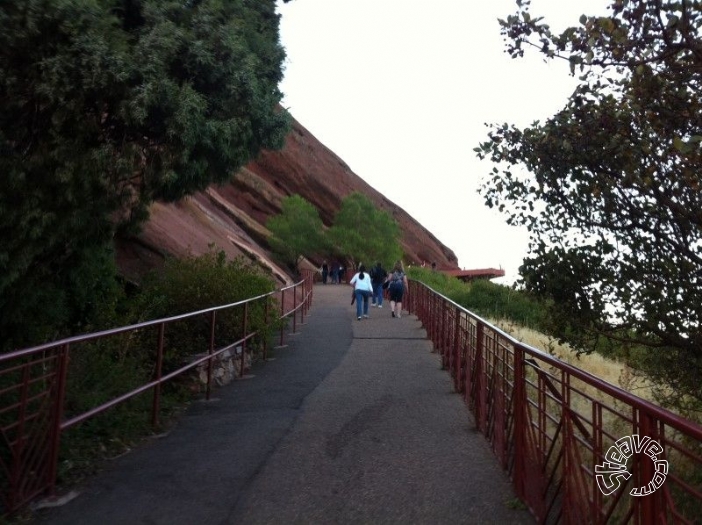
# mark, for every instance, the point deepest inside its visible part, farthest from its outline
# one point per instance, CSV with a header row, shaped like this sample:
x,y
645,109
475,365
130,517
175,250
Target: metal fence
x,y
34,382
577,449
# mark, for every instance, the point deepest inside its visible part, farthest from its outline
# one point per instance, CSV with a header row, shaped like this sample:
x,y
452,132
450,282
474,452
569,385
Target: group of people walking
x,y
371,285
335,273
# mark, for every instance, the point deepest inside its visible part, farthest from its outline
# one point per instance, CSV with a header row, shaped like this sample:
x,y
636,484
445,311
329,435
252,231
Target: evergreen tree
x,y
106,105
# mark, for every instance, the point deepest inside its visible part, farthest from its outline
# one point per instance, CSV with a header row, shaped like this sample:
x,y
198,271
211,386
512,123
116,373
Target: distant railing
x,y
34,382
578,449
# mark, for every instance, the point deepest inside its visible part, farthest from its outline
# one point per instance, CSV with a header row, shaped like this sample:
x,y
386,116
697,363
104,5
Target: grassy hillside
x,y
522,317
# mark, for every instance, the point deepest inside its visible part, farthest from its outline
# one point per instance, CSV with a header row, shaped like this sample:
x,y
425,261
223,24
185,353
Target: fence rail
x,y
34,382
578,449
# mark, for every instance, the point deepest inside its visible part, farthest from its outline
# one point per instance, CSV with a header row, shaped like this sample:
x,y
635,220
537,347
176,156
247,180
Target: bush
x,y
485,298
102,370
503,302
198,283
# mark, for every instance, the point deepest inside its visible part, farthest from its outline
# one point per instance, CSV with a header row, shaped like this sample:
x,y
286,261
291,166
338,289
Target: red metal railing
x,y
554,427
34,382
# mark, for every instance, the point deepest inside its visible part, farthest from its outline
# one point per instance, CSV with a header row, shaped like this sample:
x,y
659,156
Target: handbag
x,y
386,284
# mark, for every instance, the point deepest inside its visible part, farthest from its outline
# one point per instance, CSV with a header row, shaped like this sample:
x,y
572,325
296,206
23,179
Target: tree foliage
x,y
360,233
106,105
364,233
197,283
609,187
297,230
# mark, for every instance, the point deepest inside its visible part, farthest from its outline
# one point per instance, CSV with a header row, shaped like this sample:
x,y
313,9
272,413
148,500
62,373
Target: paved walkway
x,y
354,422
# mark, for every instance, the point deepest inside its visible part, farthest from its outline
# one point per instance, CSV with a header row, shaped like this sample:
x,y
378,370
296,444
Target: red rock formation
x,y
233,216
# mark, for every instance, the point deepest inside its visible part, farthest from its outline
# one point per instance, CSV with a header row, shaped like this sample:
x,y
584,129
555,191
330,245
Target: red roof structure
x,y
469,275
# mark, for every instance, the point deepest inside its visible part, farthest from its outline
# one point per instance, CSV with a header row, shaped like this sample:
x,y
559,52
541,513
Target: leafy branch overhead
x,y
609,187
107,105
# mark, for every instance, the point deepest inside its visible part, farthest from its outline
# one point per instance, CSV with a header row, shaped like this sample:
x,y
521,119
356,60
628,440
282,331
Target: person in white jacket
x,y
363,288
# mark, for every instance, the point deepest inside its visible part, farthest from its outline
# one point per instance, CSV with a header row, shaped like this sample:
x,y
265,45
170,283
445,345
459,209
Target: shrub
x,y
198,283
105,369
485,298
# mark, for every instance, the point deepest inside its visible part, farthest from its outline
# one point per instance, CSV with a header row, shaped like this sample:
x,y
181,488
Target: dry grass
x,y
616,419
614,372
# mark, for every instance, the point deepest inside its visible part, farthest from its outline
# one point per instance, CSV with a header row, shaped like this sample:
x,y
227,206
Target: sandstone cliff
x,y
233,216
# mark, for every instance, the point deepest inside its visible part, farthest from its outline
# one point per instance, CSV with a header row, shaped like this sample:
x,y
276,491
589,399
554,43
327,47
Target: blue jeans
x,y
362,296
378,293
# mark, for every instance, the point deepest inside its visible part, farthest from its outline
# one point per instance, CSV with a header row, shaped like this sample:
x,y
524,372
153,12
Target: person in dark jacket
x,y
378,277
325,272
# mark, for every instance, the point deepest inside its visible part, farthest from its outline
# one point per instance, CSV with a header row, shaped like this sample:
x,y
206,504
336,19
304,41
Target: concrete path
x,y
354,422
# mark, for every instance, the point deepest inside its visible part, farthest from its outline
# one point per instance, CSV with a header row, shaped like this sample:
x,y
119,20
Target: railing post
x,y
282,314
444,331
294,309
309,294
520,426
156,404
266,314
570,468
431,325
244,326
303,298
213,320
457,350
480,401
651,510
441,333
435,323
16,468
58,417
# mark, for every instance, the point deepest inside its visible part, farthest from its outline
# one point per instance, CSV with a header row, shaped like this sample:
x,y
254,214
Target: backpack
x,y
377,274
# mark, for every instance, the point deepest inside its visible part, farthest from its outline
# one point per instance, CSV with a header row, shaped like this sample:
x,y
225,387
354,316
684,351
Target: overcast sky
x,y
401,90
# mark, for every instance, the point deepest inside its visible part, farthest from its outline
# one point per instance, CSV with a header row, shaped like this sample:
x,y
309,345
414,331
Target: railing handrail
x,y
51,359
138,326
550,423
599,383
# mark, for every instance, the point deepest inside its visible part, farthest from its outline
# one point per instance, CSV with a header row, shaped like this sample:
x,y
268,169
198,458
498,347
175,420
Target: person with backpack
x,y
378,276
397,288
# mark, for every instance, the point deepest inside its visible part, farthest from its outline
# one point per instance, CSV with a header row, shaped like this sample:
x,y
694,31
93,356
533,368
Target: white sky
x,y
401,89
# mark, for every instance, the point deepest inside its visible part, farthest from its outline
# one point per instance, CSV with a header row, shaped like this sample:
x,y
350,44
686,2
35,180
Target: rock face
x,y
232,217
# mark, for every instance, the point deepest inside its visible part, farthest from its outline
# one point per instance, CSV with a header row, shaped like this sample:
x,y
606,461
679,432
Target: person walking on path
x,y
397,288
378,276
363,289
325,272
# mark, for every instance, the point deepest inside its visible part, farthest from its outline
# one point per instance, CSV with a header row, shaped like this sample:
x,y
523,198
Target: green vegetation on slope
x,y
485,298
